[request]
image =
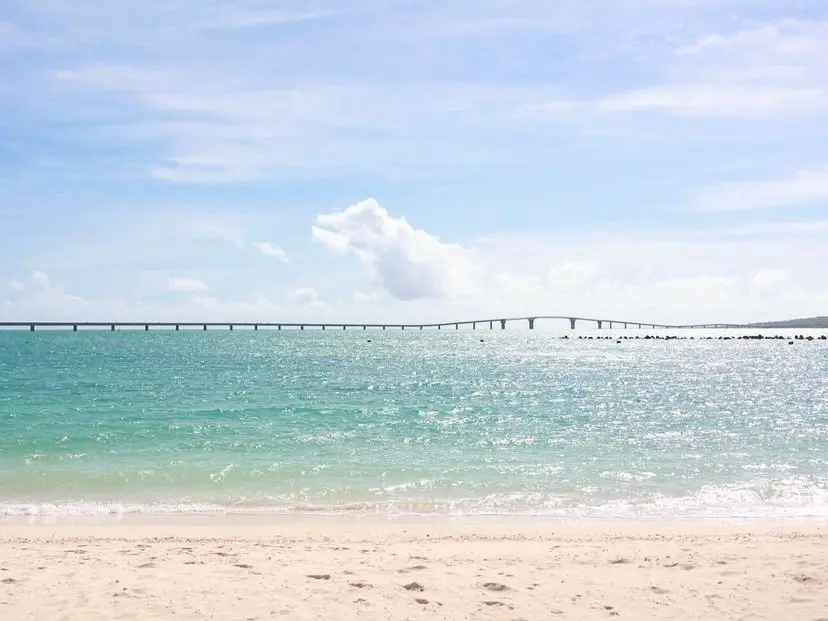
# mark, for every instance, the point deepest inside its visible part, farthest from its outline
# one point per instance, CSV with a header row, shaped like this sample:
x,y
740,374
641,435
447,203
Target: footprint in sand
x,y
243,566
360,585
495,586
408,570
620,561
658,590
498,604
8,580
320,576
414,586
421,600
146,566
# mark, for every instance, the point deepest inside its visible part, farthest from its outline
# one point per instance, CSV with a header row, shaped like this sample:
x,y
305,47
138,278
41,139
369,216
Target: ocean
x,y
411,423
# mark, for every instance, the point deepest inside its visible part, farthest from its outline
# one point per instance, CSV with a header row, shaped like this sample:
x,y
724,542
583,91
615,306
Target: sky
x,y
405,160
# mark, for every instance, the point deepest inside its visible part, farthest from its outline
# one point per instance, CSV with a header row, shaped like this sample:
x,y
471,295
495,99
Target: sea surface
x,y
443,423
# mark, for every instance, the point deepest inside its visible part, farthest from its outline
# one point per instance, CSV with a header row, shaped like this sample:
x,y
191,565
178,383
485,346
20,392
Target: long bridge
x,y
474,323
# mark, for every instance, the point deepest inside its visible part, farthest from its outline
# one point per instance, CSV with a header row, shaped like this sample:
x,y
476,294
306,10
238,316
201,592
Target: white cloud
x,y
770,278
720,100
37,298
772,45
777,70
805,187
666,277
183,284
406,262
305,296
571,274
795,227
38,281
237,18
673,277
270,250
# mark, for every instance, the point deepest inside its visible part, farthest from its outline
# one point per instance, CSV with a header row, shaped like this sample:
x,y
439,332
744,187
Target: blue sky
x,y
409,160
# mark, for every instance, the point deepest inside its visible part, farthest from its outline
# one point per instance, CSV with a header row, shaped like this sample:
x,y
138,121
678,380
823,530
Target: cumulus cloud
x,y
183,284
407,263
269,250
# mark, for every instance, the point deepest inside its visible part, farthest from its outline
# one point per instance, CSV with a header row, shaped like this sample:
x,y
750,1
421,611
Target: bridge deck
x,y
502,321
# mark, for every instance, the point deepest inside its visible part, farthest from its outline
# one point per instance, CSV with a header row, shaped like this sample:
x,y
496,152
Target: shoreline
x,y
229,519
350,569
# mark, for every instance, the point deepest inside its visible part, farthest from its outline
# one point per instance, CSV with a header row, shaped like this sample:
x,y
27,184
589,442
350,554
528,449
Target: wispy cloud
x,y
183,284
726,100
805,187
795,227
269,250
304,296
777,70
237,18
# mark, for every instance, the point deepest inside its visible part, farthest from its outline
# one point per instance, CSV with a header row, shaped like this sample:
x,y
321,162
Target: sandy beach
x,y
347,569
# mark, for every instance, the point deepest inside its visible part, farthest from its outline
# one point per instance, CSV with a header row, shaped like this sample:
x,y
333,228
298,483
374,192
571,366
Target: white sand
x,y
346,569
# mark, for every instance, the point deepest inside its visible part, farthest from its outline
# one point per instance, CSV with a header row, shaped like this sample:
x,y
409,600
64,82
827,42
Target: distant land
x,y
804,324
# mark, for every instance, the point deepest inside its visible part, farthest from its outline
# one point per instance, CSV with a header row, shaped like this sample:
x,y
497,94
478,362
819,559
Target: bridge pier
x,y
177,327
256,327
610,325
343,328
383,327
457,326
572,323
279,327
532,323
74,328
302,327
474,325
323,328
112,328
231,327
146,327
205,327
600,324
625,326
502,324
491,325
31,328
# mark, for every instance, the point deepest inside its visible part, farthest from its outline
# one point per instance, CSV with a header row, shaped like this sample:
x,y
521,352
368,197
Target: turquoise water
x,y
523,423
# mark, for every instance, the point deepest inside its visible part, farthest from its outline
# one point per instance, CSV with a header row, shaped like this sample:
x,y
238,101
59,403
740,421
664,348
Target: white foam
x,y
793,498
